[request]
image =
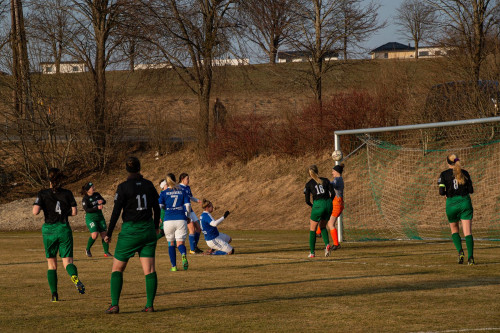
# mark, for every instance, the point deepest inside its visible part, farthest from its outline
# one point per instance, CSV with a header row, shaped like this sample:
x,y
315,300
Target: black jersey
x,y
56,206
449,186
138,199
90,203
318,191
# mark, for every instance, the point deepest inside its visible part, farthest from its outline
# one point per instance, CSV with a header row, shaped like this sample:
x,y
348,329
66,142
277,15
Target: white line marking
x,y
463,330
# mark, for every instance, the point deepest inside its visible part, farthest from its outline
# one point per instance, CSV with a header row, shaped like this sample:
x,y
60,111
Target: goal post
x,y
391,179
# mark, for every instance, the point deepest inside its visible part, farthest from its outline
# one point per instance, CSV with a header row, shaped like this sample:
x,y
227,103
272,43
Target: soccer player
x,y
456,184
337,206
92,203
216,240
321,190
57,204
138,199
193,225
175,201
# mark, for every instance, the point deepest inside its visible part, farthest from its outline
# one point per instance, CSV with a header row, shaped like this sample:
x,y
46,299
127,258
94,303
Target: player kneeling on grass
x,y
92,203
57,204
217,241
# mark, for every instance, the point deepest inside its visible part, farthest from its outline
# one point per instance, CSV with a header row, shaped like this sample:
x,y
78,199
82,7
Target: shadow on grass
x,y
365,291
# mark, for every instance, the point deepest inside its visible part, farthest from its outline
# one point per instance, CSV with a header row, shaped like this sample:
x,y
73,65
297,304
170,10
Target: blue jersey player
x,y
194,224
216,240
175,202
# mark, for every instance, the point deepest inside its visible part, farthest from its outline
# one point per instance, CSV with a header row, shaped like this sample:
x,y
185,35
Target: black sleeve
x,y
117,209
331,189
441,184
87,207
156,208
469,185
307,193
442,190
99,197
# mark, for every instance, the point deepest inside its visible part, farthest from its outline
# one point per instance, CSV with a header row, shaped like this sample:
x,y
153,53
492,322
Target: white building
x,y
152,66
64,67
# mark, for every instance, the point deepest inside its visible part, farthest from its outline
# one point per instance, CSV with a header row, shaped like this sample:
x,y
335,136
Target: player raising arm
x,y
216,240
138,199
92,203
456,184
321,190
57,204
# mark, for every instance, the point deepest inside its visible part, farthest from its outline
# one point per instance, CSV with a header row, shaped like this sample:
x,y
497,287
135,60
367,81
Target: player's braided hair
x,y
206,203
313,172
453,160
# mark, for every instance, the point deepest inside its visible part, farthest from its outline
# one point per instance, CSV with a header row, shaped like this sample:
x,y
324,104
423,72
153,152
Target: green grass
x,y
268,286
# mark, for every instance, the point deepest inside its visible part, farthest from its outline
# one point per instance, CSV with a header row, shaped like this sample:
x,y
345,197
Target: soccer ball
x,y
337,155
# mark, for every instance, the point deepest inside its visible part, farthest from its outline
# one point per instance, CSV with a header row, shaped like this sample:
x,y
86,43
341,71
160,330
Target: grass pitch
x,y
268,286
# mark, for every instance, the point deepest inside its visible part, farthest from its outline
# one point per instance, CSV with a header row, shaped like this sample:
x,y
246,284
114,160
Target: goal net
x,y
391,178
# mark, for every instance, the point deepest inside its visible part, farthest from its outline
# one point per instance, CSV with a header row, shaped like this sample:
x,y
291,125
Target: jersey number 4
x,y
58,207
139,202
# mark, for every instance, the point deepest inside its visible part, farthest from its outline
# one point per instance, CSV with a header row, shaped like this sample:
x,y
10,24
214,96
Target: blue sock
x,y
219,253
192,244
172,255
196,239
182,249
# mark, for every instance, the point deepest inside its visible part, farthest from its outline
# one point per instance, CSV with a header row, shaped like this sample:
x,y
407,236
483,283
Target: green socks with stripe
x,y
457,241
52,277
116,287
90,242
151,286
469,241
312,241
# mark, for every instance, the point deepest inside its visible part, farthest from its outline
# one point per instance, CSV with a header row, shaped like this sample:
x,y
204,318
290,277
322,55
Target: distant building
x,y
303,56
152,66
231,62
64,67
394,50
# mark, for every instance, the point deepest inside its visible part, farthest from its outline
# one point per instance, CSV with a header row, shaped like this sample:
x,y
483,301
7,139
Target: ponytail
x,y
313,172
206,203
55,178
171,181
457,168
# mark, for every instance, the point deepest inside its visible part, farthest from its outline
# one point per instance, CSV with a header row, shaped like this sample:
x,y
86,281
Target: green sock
x,y
71,269
324,234
469,241
457,241
52,277
312,240
116,287
105,246
90,242
151,286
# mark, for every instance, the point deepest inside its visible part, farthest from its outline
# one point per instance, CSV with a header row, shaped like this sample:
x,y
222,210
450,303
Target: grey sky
x,y
388,34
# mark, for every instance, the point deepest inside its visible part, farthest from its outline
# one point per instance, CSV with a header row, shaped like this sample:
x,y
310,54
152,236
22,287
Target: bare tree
x,y
190,35
466,24
359,22
416,21
94,41
268,23
49,23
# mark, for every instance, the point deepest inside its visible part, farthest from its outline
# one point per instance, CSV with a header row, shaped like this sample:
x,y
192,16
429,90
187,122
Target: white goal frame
x,y
400,128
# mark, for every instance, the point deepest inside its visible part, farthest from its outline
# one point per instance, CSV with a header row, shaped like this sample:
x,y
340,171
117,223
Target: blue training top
x,y
210,232
173,202
187,189
338,186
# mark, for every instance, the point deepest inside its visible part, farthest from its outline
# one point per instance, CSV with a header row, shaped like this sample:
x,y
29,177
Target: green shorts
x,y
321,210
459,208
95,222
57,237
135,237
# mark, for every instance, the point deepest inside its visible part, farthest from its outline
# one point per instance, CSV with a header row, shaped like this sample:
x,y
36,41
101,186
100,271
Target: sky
x,y
388,34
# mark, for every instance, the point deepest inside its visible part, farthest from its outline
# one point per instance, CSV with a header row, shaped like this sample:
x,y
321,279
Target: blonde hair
x,y
171,181
313,172
206,203
453,160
